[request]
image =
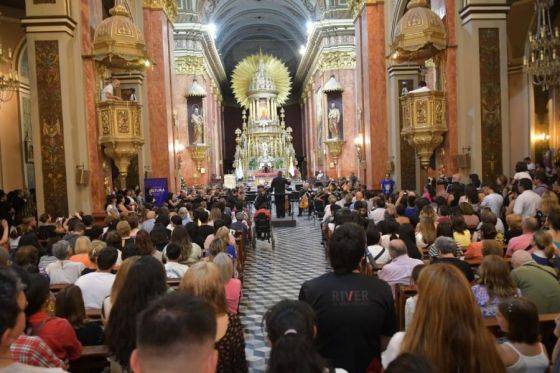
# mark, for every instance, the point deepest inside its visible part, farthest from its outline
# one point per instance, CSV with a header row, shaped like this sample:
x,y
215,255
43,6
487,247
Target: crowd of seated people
x,y
482,252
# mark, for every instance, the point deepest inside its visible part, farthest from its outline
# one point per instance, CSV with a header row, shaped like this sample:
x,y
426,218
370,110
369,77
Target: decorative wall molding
x,y
337,60
169,7
193,41
192,65
49,24
52,153
485,12
329,38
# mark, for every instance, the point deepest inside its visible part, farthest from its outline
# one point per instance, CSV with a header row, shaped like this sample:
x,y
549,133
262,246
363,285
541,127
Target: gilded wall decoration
x,y
51,125
337,60
490,102
169,7
189,65
408,154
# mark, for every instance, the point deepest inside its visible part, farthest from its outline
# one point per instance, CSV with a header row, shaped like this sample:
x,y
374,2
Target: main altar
x,y
261,84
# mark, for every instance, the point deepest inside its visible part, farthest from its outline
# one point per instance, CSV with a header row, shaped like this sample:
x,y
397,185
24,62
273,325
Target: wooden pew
x,y
477,262
93,358
402,293
93,313
240,244
55,288
546,329
173,283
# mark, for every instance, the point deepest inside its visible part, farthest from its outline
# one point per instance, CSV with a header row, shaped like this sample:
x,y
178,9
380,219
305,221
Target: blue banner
x,y
159,190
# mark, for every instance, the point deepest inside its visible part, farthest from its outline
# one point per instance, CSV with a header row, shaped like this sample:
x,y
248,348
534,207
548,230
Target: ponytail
x,y
294,353
549,251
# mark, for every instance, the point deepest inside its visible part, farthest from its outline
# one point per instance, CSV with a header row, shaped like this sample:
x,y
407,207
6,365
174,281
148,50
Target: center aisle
x,y
275,274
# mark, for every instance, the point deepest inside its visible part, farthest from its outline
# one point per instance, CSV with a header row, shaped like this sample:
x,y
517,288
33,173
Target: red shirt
x,y
58,334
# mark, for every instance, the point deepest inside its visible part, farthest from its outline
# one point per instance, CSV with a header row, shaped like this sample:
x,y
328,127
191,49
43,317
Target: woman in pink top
x,y
232,285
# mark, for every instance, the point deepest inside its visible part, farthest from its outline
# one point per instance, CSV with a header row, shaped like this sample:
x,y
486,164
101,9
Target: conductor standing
x,y
278,185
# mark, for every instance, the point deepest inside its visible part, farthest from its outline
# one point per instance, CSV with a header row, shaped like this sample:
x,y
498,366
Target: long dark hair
x,y
145,282
290,328
180,236
406,233
69,305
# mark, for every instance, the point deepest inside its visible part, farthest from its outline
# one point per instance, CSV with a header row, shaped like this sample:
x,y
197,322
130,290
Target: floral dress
x,y
488,307
231,348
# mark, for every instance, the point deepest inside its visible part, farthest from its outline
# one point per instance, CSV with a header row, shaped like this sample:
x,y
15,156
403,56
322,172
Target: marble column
x,y
482,80
371,81
158,33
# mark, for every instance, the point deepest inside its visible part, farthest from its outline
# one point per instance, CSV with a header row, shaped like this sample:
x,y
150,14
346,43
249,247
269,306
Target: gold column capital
x,y
357,6
169,7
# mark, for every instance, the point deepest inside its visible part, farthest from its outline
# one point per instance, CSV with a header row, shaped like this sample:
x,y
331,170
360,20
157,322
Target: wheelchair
x,y
262,230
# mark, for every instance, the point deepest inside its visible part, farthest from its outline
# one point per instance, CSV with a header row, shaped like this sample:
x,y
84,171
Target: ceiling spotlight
x,y
302,49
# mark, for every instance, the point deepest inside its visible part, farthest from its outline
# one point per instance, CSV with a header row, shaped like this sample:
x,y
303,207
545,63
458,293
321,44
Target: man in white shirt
x,y
96,286
173,268
63,271
527,203
108,92
492,200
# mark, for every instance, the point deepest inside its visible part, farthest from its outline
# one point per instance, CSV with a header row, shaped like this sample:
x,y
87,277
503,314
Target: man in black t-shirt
x,y
355,313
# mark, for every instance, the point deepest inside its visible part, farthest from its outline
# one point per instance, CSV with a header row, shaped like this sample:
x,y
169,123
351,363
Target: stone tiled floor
x,y
275,274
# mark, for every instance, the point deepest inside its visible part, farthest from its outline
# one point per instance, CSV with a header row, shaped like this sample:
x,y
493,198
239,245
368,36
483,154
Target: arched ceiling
x,y
244,27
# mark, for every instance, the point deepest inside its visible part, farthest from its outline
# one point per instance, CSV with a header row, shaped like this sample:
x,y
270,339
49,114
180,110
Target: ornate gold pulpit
x,y
424,122
120,133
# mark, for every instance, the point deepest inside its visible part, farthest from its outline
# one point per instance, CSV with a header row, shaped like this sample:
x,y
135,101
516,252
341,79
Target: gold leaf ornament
x,y
246,69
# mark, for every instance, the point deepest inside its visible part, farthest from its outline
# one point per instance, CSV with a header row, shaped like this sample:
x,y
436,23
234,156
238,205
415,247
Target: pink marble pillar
x,y
157,32
371,82
91,16
451,143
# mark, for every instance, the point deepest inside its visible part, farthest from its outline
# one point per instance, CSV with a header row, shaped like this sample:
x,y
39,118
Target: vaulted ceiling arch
x,y
244,27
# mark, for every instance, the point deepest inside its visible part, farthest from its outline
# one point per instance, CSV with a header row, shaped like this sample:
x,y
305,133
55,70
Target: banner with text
x,y
158,188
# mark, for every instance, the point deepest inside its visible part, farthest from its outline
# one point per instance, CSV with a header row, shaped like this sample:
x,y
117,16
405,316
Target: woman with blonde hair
x,y
447,327
426,228
204,280
549,203
544,252
215,214
223,234
82,249
232,285
494,285
117,287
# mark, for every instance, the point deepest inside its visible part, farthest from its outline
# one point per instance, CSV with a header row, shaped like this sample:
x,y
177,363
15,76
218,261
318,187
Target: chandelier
x,y
543,61
9,80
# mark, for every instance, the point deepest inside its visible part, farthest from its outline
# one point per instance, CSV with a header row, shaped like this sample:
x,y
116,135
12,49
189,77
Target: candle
x,y
524,60
556,32
10,53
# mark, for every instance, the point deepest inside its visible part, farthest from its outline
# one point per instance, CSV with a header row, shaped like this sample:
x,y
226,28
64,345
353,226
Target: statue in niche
x,y
264,149
334,120
197,122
